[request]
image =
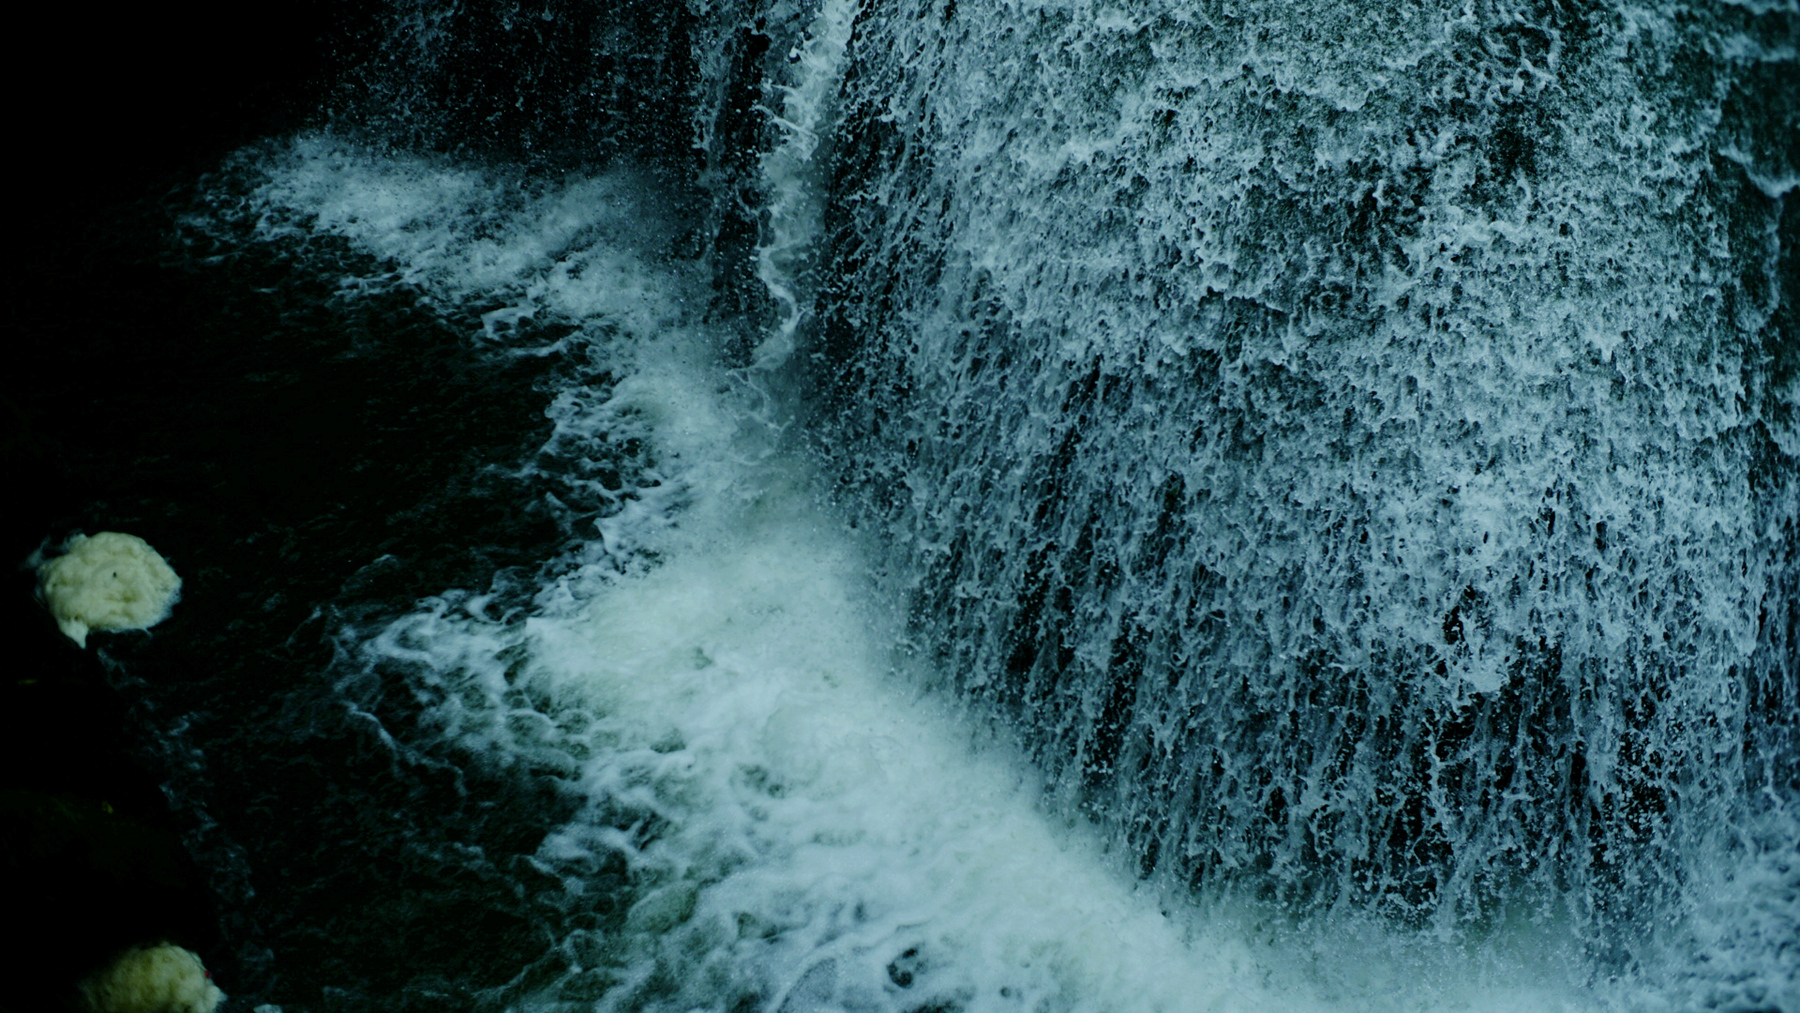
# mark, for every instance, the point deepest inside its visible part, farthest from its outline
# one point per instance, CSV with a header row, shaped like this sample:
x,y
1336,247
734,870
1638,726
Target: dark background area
x,y
277,450
112,107
309,467
116,99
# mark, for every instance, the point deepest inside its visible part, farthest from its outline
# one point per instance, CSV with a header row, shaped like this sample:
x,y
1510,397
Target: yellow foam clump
x,y
152,979
109,581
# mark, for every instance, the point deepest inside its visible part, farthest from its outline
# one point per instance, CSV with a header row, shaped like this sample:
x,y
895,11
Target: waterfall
x,y
793,178
1022,506
1354,449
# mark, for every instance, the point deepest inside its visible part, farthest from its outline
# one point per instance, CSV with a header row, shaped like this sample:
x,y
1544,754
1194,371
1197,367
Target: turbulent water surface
x,y
1036,506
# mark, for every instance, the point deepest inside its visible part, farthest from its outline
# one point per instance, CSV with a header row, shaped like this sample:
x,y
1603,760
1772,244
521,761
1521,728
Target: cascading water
x,y
1303,387
1045,506
1354,446
793,174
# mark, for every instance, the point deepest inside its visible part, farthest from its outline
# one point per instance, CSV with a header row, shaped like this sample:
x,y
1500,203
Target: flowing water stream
x,y
1050,506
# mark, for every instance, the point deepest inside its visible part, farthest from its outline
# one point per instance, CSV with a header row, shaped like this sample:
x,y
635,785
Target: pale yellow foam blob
x,y
152,979
109,581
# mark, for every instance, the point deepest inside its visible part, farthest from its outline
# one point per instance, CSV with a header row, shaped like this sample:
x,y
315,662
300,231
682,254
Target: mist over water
x,y
1053,507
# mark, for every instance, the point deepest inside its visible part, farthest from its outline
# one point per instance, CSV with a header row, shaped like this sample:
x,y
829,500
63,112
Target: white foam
x,y
753,705
453,232
795,203
800,823
824,832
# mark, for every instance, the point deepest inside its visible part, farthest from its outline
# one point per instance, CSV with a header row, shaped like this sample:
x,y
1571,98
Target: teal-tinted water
x,y
1038,508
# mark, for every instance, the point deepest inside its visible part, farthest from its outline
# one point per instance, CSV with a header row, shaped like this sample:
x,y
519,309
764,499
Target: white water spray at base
x,y
799,829
804,828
